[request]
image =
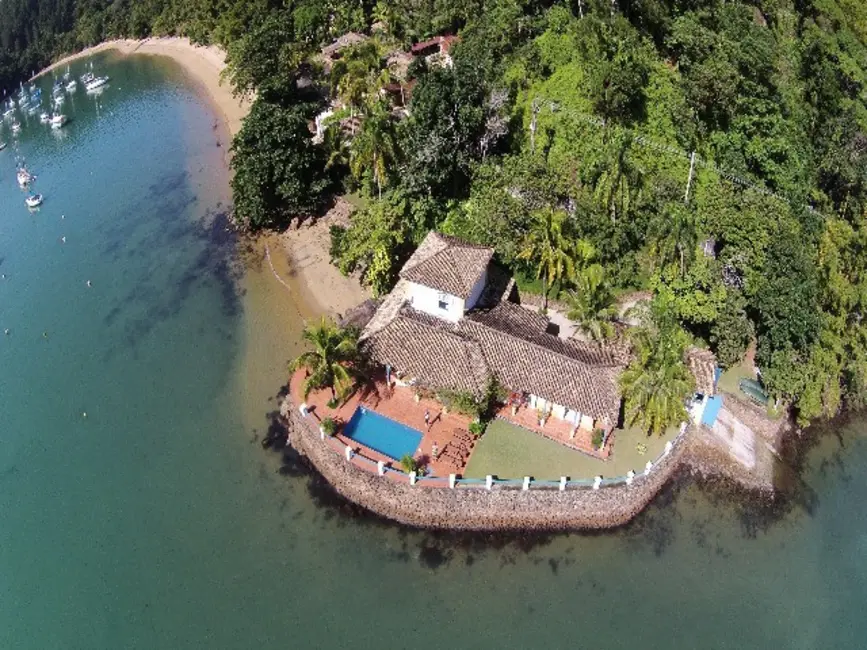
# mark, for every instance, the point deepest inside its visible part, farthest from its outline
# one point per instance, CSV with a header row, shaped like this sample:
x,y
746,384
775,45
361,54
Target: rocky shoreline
x,y
509,508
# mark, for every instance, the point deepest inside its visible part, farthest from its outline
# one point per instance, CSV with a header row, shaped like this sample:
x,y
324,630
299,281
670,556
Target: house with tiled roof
x,y
449,325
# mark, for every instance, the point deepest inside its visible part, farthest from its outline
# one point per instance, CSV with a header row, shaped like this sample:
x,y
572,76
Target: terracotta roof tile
x,y
702,365
447,264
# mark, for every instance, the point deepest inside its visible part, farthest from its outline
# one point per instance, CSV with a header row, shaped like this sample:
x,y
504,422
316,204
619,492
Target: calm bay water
x,y
158,522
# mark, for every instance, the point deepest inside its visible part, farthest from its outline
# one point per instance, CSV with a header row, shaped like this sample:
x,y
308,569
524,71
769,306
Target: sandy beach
x,y
319,281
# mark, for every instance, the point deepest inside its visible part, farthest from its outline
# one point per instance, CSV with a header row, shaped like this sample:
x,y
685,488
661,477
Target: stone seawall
x,y
475,508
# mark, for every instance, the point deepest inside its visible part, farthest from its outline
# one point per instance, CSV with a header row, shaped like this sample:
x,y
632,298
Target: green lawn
x,y
510,452
728,381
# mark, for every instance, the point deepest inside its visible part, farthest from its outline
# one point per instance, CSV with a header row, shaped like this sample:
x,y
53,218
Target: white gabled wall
x,y
476,293
428,300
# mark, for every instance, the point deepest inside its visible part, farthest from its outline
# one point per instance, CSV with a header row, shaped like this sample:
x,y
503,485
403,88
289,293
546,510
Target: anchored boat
x,y
34,200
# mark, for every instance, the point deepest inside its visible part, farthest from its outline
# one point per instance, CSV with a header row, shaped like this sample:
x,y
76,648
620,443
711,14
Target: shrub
x,y
408,463
597,438
329,426
461,402
477,428
332,403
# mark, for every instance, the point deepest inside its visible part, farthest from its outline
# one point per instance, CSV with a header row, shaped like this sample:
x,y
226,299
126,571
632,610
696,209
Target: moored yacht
x,y
34,200
58,120
24,177
96,82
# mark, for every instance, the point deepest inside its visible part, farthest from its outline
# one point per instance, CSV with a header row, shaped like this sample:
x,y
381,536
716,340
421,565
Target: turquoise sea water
x,y
159,522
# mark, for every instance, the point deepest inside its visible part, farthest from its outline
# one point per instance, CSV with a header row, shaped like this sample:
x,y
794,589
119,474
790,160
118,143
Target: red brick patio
x,y
448,430
557,430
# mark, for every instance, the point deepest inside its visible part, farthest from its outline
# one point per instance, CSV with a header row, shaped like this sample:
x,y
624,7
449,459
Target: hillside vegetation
x,y
712,151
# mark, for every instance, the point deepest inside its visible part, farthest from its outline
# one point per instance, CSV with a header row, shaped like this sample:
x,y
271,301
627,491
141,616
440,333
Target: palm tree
x,y
677,235
353,73
549,248
331,362
618,183
591,303
375,147
657,383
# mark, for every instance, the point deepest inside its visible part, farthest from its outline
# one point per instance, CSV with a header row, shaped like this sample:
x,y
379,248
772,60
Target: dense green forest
x,y
712,151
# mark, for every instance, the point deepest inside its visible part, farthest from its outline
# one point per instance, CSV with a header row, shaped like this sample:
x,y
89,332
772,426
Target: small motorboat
x,y
44,117
34,200
16,127
2,146
58,120
71,85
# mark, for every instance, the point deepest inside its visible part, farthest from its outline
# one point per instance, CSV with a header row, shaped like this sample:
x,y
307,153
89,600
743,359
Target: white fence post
x,y
668,447
489,481
597,482
452,480
348,451
526,483
303,409
630,477
380,468
321,433
413,477
647,468
562,483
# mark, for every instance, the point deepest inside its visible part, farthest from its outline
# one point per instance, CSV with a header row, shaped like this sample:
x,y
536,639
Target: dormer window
x,y
444,301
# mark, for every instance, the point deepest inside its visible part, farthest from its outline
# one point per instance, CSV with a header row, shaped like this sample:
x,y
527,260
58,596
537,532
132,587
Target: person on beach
x,y
427,419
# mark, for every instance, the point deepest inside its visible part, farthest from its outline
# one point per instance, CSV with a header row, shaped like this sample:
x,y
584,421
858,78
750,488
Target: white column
x,y
452,480
668,447
526,483
562,483
489,481
380,468
321,433
630,476
413,477
647,468
303,409
348,451
597,482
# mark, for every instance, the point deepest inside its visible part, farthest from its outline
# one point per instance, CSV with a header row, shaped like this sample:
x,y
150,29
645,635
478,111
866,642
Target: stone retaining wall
x,y
474,508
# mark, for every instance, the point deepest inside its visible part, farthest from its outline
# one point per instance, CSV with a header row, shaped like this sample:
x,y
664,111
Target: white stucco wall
x,y
476,293
427,300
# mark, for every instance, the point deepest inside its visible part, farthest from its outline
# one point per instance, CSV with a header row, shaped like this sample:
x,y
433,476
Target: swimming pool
x,y
381,433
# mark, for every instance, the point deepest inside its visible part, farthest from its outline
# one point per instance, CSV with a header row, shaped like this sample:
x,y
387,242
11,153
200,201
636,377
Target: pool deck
x,y
399,404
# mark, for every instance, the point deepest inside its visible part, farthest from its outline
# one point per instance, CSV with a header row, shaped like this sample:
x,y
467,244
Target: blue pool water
x,y
382,434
